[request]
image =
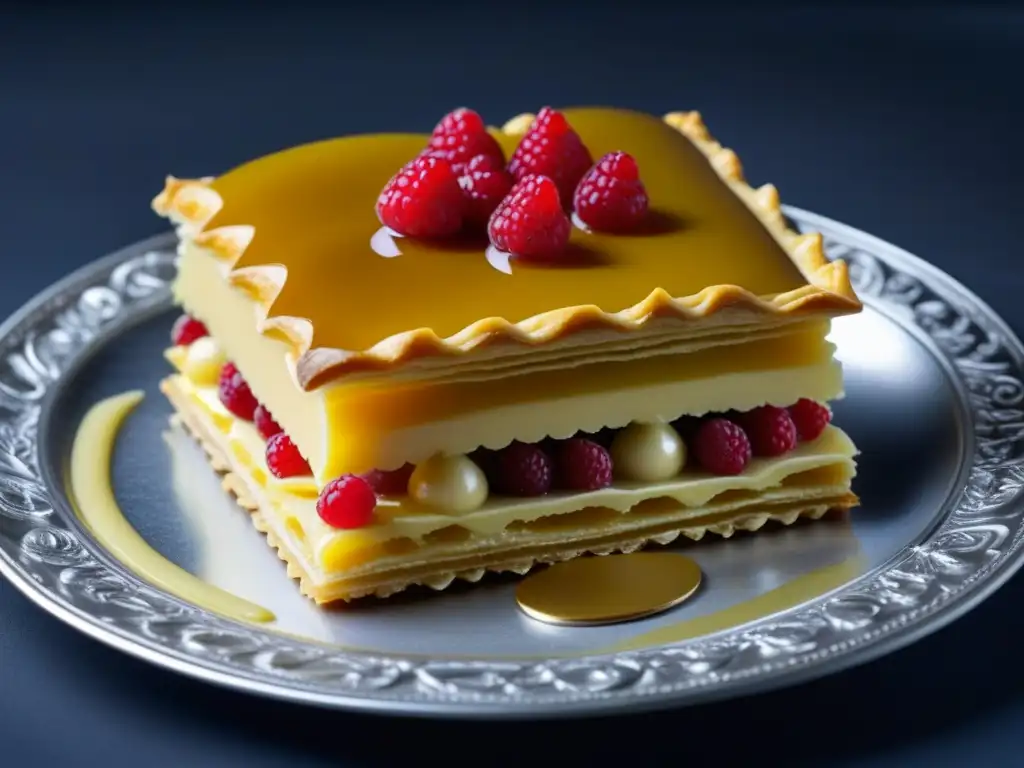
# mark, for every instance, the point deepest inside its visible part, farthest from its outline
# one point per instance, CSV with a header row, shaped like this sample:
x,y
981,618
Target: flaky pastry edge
x,y
192,203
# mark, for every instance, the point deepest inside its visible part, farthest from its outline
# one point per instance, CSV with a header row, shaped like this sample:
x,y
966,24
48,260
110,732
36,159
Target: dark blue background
x,y
904,123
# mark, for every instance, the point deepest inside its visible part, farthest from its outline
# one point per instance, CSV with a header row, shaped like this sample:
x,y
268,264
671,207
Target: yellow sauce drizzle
x,y
96,506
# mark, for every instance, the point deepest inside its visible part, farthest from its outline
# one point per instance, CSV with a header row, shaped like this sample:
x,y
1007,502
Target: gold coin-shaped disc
x,y
609,588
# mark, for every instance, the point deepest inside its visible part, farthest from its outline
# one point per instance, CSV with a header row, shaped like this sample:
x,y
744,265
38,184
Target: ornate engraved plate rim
x,y
976,547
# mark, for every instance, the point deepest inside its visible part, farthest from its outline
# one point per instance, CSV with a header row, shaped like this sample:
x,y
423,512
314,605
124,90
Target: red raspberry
x,y
721,447
552,148
235,394
810,418
346,502
284,459
583,465
611,197
530,222
393,482
423,200
485,185
460,136
524,470
187,329
265,423
771,430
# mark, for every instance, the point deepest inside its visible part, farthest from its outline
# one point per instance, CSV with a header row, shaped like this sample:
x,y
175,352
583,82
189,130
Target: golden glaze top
x,y
312,210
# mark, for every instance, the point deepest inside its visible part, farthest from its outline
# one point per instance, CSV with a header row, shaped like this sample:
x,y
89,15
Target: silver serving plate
x,y
935,395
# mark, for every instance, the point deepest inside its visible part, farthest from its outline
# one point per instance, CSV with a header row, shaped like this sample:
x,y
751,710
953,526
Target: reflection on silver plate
x,y
935,402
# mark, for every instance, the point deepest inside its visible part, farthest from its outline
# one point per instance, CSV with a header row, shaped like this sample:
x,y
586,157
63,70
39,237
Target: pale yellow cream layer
x,y
403,519
356,427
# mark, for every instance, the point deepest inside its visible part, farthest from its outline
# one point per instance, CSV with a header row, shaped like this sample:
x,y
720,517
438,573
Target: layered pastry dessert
x,y
420,358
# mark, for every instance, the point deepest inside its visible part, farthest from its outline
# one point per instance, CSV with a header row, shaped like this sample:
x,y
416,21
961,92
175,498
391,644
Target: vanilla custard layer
x,y
822,469
362,425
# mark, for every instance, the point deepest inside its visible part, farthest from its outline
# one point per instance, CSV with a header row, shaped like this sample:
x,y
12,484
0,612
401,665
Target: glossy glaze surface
x,y
312,207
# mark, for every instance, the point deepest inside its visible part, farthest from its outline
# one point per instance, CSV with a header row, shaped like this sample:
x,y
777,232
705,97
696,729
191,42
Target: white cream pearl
x,y
449,484
647,453
203,362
